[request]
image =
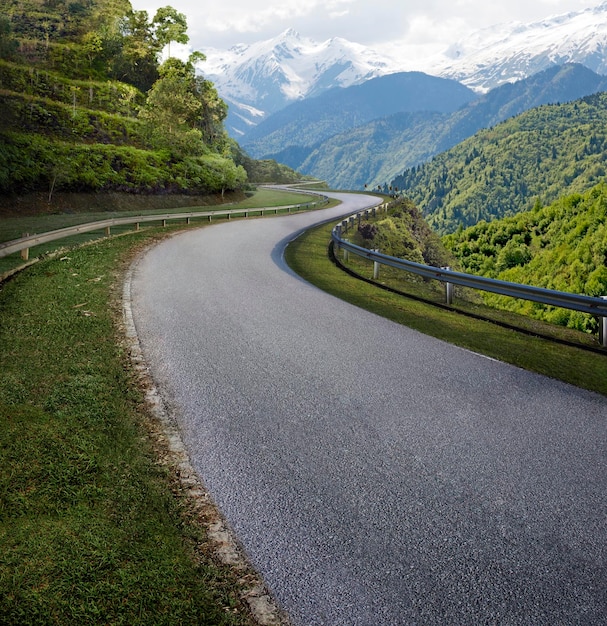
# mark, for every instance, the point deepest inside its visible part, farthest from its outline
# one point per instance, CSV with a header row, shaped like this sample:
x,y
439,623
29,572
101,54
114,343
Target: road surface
x,y
375,476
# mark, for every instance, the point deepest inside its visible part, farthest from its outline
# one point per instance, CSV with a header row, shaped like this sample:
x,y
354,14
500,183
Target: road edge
x,y
226,547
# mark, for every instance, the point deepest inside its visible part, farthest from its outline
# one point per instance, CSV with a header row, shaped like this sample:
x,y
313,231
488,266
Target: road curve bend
x,y
374,475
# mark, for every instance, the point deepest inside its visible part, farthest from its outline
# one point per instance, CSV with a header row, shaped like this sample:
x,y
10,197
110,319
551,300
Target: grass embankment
x,y
308,257
92,529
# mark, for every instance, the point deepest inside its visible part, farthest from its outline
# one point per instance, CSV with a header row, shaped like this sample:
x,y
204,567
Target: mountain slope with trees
x,y
544,154
87,106
378,151
308,122
562,246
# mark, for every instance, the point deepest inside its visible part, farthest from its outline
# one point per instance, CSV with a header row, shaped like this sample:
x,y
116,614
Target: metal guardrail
x,y
577,302
23,244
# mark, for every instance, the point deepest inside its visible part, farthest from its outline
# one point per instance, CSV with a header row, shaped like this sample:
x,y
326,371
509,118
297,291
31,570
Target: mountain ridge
x,y
376,152
531,159
314,120
257,80
508,52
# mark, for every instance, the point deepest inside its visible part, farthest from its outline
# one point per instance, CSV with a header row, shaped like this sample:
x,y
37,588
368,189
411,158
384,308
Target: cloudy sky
x,y
427,23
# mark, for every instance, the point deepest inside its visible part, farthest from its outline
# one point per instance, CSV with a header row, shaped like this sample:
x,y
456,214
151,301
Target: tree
x,y
212,115
137,62
172,110
170,25
8,45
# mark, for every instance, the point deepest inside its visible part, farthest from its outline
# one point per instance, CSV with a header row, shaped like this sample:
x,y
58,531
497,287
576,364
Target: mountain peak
x,y
290,33
508,52
268,75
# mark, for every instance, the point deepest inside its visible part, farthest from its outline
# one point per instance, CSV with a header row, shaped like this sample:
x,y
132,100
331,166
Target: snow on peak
x,y
268,75
508,52
293,65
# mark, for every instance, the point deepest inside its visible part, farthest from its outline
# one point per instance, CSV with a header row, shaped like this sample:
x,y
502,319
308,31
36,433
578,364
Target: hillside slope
x,y
306,123
562,246
544,153
377,152
87,106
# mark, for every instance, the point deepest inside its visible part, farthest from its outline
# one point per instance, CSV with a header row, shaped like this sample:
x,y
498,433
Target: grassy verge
x,y
308,257
92,529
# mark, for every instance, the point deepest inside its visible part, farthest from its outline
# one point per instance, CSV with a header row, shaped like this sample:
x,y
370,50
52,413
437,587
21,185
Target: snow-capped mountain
x,y
508,52
259,79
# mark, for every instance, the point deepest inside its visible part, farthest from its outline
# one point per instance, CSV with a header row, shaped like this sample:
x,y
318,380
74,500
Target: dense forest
x,y
562,246
89,104
543,154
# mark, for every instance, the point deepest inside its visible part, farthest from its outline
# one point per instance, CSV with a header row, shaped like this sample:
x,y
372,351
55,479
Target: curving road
x,y
374,475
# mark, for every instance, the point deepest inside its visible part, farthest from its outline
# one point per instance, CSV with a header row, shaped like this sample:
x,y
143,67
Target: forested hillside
x,y
562,246
374,152
88,105
544,154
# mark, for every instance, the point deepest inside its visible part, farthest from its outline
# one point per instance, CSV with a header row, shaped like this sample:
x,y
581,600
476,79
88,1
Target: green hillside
x,y
376,151
402,232
544,154
562,246
87,106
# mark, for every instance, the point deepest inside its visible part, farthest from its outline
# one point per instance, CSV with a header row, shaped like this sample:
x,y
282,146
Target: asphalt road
x,y
374,475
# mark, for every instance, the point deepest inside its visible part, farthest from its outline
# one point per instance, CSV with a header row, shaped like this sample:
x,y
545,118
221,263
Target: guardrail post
x,y
137,227
603,328
375,268
346,252
107,231
187,221
25,253
448,289
164,223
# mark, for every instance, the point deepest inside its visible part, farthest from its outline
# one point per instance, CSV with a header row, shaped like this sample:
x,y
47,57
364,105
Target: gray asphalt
x,y
375,476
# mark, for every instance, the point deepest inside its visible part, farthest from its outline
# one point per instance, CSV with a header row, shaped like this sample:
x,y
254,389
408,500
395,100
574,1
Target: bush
x,y
36,163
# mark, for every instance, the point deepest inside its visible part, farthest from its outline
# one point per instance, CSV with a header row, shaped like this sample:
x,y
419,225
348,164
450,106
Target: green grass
x,y
92,529
308,256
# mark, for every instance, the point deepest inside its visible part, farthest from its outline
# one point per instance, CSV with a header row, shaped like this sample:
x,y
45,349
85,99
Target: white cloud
x,y
378,23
